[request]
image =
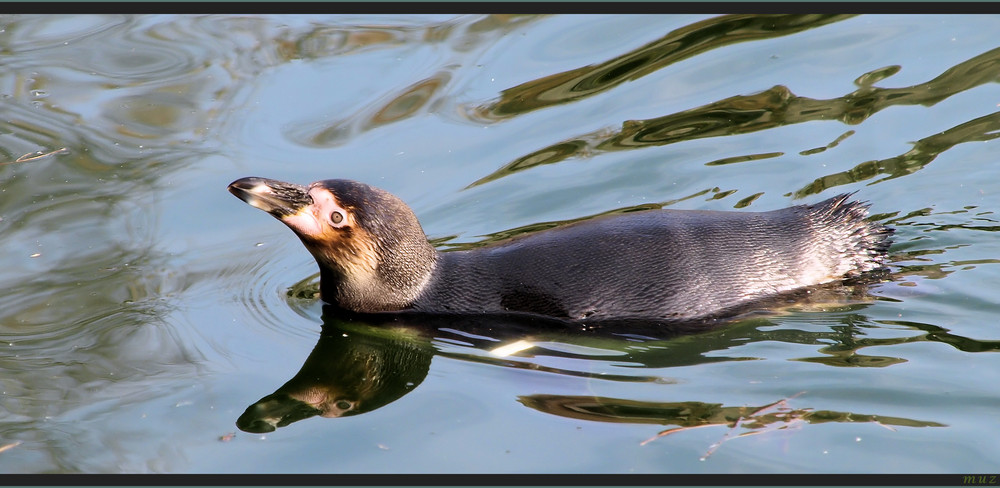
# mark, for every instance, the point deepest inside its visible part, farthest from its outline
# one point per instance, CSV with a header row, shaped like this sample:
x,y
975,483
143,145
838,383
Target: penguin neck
x,y
394,284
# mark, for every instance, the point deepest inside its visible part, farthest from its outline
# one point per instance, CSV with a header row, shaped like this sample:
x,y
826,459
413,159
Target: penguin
x,y
659,265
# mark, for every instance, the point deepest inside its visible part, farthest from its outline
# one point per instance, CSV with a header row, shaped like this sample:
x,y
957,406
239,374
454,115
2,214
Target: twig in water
x,y
791,418
675,430
36,156
9,446
779,405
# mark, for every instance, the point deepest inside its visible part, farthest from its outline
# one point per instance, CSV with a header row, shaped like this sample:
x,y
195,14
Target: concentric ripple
x,y
259,282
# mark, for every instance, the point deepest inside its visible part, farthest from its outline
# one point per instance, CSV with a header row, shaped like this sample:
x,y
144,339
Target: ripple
x,y
260,284
115,48
73,338
153,115
29,34
408,102
138,60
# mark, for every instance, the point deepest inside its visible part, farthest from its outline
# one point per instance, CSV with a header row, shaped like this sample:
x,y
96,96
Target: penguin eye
x,y
336,217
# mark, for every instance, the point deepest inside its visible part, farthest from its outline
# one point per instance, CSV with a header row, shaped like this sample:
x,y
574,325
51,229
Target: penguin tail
x,y
845,224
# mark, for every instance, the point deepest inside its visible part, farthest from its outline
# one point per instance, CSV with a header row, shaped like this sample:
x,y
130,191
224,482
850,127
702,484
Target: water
x,y
145,309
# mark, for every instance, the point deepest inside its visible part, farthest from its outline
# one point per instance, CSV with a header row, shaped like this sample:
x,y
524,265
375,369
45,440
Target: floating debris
x,y
786,418
9,446
36,156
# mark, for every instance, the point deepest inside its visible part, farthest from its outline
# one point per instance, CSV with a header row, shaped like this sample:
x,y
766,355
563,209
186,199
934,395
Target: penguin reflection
x,y
363,362
347,373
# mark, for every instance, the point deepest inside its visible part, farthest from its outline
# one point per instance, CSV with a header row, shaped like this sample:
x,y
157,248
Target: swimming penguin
x,y
658,265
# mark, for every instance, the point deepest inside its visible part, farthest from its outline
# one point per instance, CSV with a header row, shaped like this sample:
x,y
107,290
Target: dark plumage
x,y
658,265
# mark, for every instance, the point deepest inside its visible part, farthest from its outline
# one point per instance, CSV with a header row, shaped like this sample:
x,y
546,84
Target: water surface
x,y
152,323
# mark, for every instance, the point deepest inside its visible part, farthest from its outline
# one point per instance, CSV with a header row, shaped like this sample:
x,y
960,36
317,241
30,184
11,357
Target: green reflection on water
x,y
681,44
694,415
777,107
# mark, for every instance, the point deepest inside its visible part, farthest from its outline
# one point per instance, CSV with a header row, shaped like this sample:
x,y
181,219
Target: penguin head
x,y
372,252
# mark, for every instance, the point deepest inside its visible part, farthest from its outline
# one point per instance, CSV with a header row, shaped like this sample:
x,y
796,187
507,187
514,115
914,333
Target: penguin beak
x,y
275,197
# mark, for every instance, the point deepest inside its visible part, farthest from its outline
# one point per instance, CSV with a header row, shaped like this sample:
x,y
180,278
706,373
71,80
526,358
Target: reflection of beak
x,y
272,196
273,411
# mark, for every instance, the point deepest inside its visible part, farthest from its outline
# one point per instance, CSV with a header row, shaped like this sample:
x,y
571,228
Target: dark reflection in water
x,y
778,106
923,153
362,363
693,415
422,95
401,105
347,373
681,44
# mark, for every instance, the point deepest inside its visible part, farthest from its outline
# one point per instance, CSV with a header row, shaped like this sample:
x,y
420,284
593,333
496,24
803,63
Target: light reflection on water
x,y
145,311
